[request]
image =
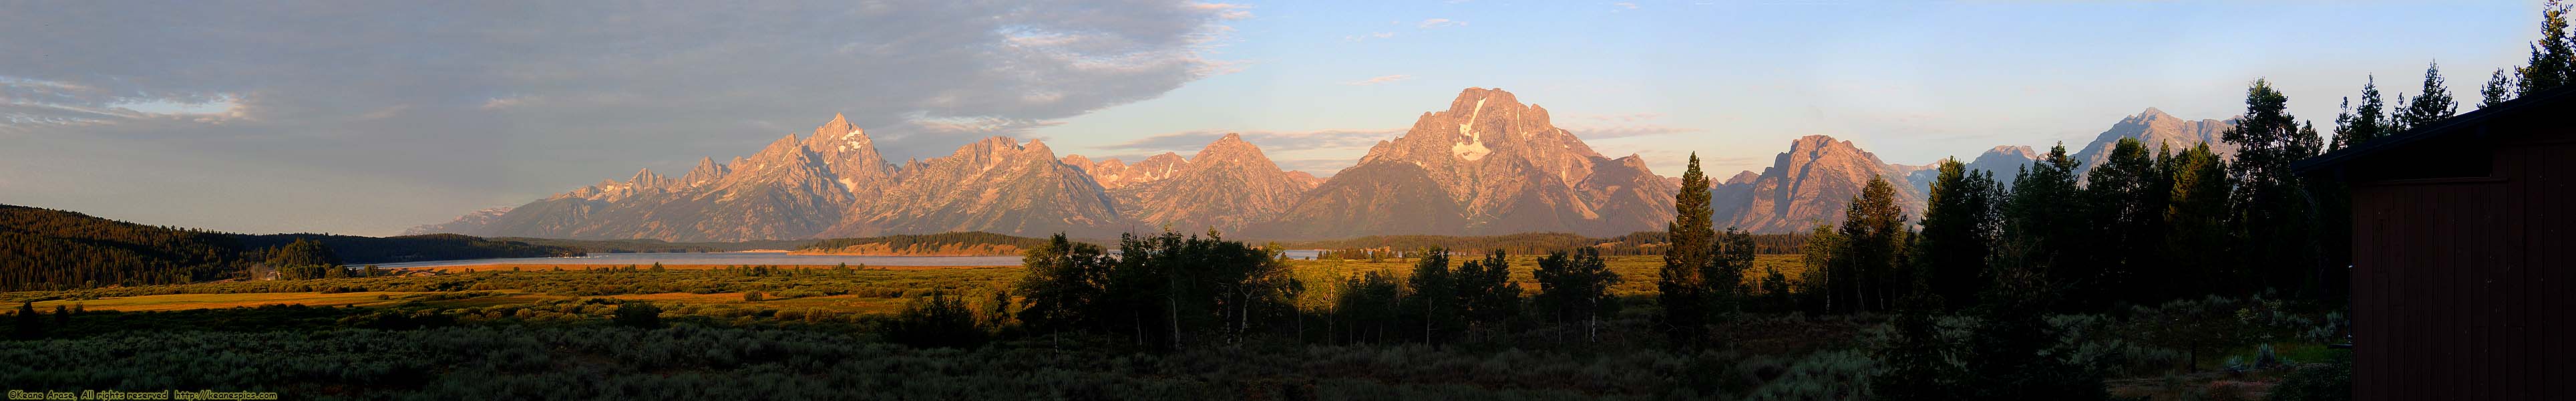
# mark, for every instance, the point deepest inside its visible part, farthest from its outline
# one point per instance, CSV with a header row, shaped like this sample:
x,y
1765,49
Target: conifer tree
x,y
2498,90
2127,196
1725,275
2368,121
1681,287
2432,105
1873,238
2271,204
2044,232
2196,239
2553,57
28,324
1959,227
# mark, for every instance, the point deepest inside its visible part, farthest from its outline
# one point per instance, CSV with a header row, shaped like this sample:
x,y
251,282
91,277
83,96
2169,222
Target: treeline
x,y
43,249
1174,292
926,242
1638,243
410,248
657,246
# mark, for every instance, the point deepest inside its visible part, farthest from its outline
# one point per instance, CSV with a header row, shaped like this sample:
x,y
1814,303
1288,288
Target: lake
x,y
747,258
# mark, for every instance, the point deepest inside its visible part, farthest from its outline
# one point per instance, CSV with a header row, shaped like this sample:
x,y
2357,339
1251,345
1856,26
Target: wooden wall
x,y
2462,286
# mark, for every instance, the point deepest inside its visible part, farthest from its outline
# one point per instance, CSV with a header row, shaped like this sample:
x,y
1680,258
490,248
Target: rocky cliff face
x,y
1812,183
1490,162
1227,186
994,185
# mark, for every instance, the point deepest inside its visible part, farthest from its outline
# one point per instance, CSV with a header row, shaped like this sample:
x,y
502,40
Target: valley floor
x,y
769,332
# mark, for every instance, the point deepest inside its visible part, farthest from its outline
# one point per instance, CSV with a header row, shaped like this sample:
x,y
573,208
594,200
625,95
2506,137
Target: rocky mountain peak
x,y
1812,182
2151,114
2022,152
1742,178
644,178
707,172
835,128
2156,129
1230,147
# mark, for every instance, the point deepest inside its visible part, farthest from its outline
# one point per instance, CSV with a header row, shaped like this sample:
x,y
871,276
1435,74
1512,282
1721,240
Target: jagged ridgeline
x,y
971,243
1487,164
53,249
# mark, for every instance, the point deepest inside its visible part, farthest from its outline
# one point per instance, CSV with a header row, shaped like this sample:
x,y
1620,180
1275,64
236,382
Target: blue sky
x,y
366,118
1736,81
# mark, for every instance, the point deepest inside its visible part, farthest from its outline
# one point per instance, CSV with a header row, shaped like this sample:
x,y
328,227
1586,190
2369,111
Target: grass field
x,y
893,285
527,267
206,301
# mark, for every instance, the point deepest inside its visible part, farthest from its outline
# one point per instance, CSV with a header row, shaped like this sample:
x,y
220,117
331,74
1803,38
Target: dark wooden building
x,y
2464,254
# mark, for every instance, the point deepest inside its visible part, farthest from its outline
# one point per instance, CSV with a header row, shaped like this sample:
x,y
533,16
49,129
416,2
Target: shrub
x,y
937,321
2327,381
751,296
639,314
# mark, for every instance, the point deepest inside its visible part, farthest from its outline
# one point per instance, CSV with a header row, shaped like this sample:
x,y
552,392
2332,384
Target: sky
x,y
369,117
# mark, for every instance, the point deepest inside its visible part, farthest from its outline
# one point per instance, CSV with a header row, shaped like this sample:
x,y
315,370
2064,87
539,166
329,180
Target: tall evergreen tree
x,y
2432,105
28,324
2498,90
1870,263
2272,205
2368,121
1959,228
2127,196
2044,231
2196,239
1681,286
2553,57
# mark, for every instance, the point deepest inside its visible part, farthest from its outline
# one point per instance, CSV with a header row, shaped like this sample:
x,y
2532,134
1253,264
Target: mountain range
x,y
1487,164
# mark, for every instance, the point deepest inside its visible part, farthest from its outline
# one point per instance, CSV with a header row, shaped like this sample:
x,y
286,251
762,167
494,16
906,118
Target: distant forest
x,y
357,250
926,242
659,246
53,249
1638,243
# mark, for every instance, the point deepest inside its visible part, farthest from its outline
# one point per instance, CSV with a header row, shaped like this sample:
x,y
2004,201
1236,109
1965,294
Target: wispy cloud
x,y
1363,38
1379,80
1626,5
1624,125
1225,11
1435,23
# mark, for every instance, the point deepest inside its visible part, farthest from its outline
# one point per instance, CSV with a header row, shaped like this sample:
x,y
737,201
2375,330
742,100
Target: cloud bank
x,y
480,104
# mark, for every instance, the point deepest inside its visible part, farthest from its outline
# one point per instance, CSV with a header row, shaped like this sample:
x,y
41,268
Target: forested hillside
x,y
975,243
45,249
54,249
